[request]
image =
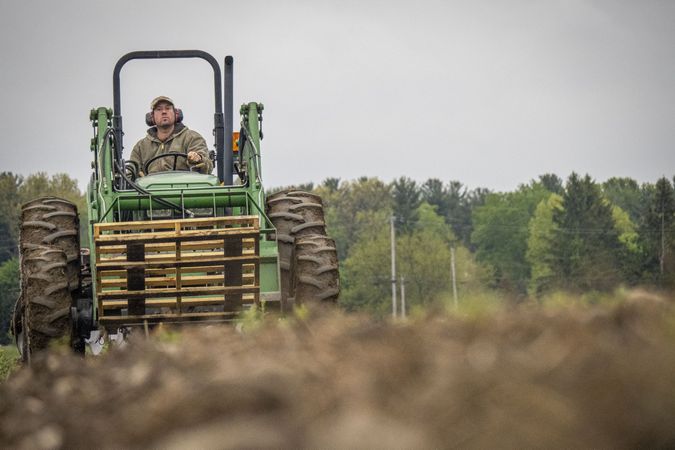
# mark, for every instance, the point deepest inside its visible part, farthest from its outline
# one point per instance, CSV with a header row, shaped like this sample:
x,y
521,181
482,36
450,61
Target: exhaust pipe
x,y
226,164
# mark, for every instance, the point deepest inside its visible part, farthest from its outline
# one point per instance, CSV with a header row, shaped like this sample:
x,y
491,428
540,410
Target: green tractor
x,y
174,246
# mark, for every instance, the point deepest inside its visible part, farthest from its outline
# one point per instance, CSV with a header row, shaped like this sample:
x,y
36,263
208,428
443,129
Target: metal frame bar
x,y
223,155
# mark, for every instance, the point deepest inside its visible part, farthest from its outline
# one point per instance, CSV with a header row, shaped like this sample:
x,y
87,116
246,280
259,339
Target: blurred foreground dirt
x,y
568,378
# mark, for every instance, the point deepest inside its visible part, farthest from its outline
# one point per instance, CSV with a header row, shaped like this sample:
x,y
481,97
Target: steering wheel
x,y
174,155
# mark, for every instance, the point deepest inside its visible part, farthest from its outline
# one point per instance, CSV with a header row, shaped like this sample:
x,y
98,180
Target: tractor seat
x,y
177,180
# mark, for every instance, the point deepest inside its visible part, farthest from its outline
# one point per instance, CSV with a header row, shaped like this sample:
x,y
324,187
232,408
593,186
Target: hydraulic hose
x,y
160,200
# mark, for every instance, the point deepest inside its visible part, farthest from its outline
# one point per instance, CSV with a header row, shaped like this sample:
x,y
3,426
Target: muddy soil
x,y
599,377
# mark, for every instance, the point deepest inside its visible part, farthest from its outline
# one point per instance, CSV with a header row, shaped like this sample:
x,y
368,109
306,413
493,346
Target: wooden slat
x,y
205,290
172,257
171,302
159,265
166,317
196,270
192,280
171,236
249,245
170,223
158,257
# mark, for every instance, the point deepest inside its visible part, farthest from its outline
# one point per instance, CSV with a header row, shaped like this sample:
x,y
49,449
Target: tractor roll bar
x,y
223,146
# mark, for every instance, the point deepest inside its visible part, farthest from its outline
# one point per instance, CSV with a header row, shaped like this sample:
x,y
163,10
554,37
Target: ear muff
x,y
150,119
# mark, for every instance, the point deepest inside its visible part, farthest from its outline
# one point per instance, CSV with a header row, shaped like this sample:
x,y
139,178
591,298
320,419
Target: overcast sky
x,y
491,93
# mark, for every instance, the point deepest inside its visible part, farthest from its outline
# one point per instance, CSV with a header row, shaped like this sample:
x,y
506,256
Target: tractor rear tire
x,y
316,278
50,274
294,214
54,222
45,315
17,327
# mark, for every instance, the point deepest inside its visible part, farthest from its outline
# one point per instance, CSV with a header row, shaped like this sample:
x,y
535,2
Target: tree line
x,y
548,235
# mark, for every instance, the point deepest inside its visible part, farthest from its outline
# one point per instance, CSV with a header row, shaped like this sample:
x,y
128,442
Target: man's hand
x,y
194,157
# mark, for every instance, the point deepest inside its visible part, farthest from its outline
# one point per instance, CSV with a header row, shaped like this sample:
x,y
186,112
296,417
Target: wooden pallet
x,y
176,270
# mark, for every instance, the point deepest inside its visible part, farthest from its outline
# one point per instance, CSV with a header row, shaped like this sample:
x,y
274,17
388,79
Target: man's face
x,y
164,114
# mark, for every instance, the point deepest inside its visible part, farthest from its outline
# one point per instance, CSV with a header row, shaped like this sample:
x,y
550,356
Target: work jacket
x,y
183,140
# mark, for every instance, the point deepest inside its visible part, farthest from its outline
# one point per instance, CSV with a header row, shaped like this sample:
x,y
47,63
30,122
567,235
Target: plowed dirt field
x,y
599,377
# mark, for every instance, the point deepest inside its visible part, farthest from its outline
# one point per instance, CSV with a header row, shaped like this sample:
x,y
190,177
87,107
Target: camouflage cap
x,y
161,98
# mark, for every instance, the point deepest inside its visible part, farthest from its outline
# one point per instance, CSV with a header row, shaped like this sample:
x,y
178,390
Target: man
x,y
168,134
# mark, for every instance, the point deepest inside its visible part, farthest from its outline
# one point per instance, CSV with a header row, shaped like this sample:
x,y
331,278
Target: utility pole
x,y
402,296
454,276
393,267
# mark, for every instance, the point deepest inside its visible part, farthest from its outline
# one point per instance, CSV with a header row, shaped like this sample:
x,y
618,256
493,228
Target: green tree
x,y
307,187
458,213
406,198
430,220
9,215
434,193
630,251
657,233
626,194
453,202
16,190
501,231
59,185
423,259
366,274
462,224
9,292
331,184
552,182
356,206
587,246
542,232
628,235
